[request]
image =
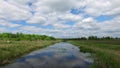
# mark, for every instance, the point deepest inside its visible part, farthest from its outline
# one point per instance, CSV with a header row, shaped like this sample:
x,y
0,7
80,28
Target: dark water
x,y
60,55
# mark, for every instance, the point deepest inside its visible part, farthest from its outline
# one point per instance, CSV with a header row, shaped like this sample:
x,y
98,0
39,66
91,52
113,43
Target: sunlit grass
x,y
15,49
105,53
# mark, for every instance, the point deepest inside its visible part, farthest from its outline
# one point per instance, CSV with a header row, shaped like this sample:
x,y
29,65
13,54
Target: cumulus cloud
x,y
56,5
102,7
3,30
8,24
37,20
30,28
70,17
11,12
54,17
61,26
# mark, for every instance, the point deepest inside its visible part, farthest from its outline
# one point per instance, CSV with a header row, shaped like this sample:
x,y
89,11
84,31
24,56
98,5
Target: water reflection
x,y
60,55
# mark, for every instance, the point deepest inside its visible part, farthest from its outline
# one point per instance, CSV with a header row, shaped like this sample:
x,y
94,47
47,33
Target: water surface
x,y
60,55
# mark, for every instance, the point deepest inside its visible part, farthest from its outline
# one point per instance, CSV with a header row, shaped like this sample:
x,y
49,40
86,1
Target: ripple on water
x,y
60,55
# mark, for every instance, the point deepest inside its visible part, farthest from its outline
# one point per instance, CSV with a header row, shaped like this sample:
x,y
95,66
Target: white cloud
x,y
30,28
50,11
11,12
37,20
88,23
112,25
70,17
88,20
8,24
3,30
56,5
102,7
57,12
61,26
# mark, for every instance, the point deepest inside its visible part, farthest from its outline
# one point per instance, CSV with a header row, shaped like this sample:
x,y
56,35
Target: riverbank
x,y
59,55
106,52
10,51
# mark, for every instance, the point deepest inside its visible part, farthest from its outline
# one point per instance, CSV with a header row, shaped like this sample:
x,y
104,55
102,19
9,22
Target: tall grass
x,y
106,53
15,49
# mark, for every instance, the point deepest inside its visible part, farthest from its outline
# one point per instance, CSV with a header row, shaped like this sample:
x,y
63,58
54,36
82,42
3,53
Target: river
x,y
59,55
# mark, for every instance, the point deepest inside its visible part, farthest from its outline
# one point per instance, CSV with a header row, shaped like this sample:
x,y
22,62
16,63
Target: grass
x,y
106,53
10,51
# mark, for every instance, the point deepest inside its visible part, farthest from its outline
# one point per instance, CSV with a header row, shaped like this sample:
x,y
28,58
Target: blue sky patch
x,y
77,11
86,16
70,23
103,18
71,17
47,27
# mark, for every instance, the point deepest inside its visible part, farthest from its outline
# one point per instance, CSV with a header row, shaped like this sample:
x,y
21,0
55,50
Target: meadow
x,y
106,53
9,51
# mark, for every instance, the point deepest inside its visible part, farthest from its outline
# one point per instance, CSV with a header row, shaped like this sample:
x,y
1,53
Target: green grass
x,y
15,49
106,53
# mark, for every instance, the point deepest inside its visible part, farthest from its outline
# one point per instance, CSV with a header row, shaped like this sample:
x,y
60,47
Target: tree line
x,y
94,38
21,36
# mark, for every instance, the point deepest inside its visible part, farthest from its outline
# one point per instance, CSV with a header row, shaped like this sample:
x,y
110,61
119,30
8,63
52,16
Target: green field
x,y
9,51
106,53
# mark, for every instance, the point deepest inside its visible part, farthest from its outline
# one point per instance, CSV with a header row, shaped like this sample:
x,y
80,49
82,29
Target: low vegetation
x,y
106,53
94,38
13,46
105,50
16,49
21,36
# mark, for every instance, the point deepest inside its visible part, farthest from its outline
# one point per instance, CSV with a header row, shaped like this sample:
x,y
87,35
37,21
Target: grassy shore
x,y
10,51
106,53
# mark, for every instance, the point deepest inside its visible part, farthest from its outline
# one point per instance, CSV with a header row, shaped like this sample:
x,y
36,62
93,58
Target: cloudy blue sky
x,y
61,18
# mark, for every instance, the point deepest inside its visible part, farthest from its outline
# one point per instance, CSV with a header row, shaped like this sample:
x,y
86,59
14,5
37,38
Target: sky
x,y
61,18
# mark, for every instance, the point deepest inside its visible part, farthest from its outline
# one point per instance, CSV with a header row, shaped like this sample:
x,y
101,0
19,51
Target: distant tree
x,y
107,38
92,38
83,38
21,36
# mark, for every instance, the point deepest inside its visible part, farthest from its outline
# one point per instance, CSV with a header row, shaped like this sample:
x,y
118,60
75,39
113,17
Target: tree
x,y
92,38
21,36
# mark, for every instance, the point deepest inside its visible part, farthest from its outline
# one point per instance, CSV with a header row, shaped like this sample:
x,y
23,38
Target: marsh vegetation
x,y
105,50
106,53
14,46
16,49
